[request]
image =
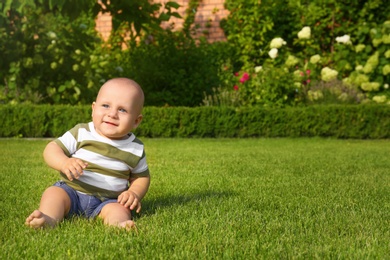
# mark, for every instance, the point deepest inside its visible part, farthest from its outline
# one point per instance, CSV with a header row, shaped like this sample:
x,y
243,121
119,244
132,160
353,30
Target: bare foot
x,y
37,219
128,225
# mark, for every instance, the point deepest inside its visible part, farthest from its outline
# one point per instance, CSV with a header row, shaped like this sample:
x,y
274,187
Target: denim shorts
x,y
83,204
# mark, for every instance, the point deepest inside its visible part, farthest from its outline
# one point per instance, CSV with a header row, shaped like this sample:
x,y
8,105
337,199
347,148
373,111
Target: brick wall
x,y
208,16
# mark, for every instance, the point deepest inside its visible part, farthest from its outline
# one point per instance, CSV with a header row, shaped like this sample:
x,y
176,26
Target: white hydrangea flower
x,y
387,54
273,53
52,35
371,63
297,85
305,33
360,79
258,69
315,59
368,68
344,39
386,39
359,67
370,86
376,42
277,43
379,99
386,69
291,61
327,74
360,47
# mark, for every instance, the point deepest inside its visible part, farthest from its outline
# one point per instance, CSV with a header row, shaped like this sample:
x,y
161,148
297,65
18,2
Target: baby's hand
x,y
73,168
130,200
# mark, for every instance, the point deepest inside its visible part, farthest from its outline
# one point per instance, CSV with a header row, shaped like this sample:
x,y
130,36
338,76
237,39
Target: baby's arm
x,y
56,158
137,190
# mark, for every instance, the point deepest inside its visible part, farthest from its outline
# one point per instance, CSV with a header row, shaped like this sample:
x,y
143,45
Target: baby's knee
x,y
115,210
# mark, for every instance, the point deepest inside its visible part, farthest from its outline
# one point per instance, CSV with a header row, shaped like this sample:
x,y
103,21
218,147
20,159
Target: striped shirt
x,y
110,162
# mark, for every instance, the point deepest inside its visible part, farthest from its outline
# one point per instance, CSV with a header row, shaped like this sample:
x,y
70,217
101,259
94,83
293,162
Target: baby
x,y
102,164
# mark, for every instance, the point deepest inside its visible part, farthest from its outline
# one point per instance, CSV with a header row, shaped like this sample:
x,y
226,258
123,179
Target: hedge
x,y
354,121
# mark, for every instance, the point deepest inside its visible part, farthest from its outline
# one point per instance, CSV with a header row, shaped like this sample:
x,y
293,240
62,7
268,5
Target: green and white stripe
x,y
110,162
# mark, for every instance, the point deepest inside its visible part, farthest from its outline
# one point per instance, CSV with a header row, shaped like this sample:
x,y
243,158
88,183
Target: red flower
x,y
244,77
235,87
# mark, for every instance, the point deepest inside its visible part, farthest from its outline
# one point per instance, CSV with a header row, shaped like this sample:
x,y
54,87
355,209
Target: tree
x,y
51,52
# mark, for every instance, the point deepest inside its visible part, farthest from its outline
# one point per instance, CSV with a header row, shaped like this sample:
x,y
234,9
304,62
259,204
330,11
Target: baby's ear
x,y
93,106
137,121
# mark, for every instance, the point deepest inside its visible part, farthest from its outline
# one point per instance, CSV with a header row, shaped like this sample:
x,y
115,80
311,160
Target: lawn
x,y
219,199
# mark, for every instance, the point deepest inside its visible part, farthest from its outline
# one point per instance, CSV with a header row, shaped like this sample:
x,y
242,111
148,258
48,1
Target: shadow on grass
x,y
150,206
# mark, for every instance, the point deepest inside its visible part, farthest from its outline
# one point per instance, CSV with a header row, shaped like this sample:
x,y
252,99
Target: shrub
x,y
318,42
174,70
347,121
53,59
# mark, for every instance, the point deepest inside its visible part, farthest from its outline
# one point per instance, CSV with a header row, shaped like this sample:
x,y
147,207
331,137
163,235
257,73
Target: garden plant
x,y
321,52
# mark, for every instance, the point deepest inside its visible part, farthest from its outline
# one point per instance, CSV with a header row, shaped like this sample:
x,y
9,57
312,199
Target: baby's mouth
x,y
109,123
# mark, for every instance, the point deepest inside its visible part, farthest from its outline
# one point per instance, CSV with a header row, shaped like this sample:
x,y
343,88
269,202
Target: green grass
x,y
219,199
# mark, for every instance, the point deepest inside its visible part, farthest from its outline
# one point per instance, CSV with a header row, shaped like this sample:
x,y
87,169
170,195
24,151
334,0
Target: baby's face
x,y
116,110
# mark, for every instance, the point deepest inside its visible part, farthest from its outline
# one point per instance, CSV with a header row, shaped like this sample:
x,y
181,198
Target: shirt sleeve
x,y
68,141
141,169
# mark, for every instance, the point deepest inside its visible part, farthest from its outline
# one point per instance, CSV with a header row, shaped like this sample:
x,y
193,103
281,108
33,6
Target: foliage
x,y
349,121
330,19
174,70
253,24
53,60
332,41
51,52
298,199
133,19
246,26
364,62
333,92
269,87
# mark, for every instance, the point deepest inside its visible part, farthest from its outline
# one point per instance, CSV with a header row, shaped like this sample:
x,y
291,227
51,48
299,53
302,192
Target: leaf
x,y
7,6
172,4
164,17
176,14
77,90
61,88
30,3
56,4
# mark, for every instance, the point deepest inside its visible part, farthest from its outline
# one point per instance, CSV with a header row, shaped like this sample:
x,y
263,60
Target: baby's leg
x,y
55,204
114,214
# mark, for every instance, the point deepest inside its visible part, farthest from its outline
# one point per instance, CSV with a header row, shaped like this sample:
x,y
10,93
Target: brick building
x,y
208,17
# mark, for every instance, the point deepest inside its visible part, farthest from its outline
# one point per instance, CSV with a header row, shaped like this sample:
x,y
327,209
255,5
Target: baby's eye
x,y
122,110
105,106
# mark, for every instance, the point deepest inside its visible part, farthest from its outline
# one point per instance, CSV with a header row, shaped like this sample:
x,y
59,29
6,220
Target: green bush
x,y
41,120
48,58
318,41
174,69
353,121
